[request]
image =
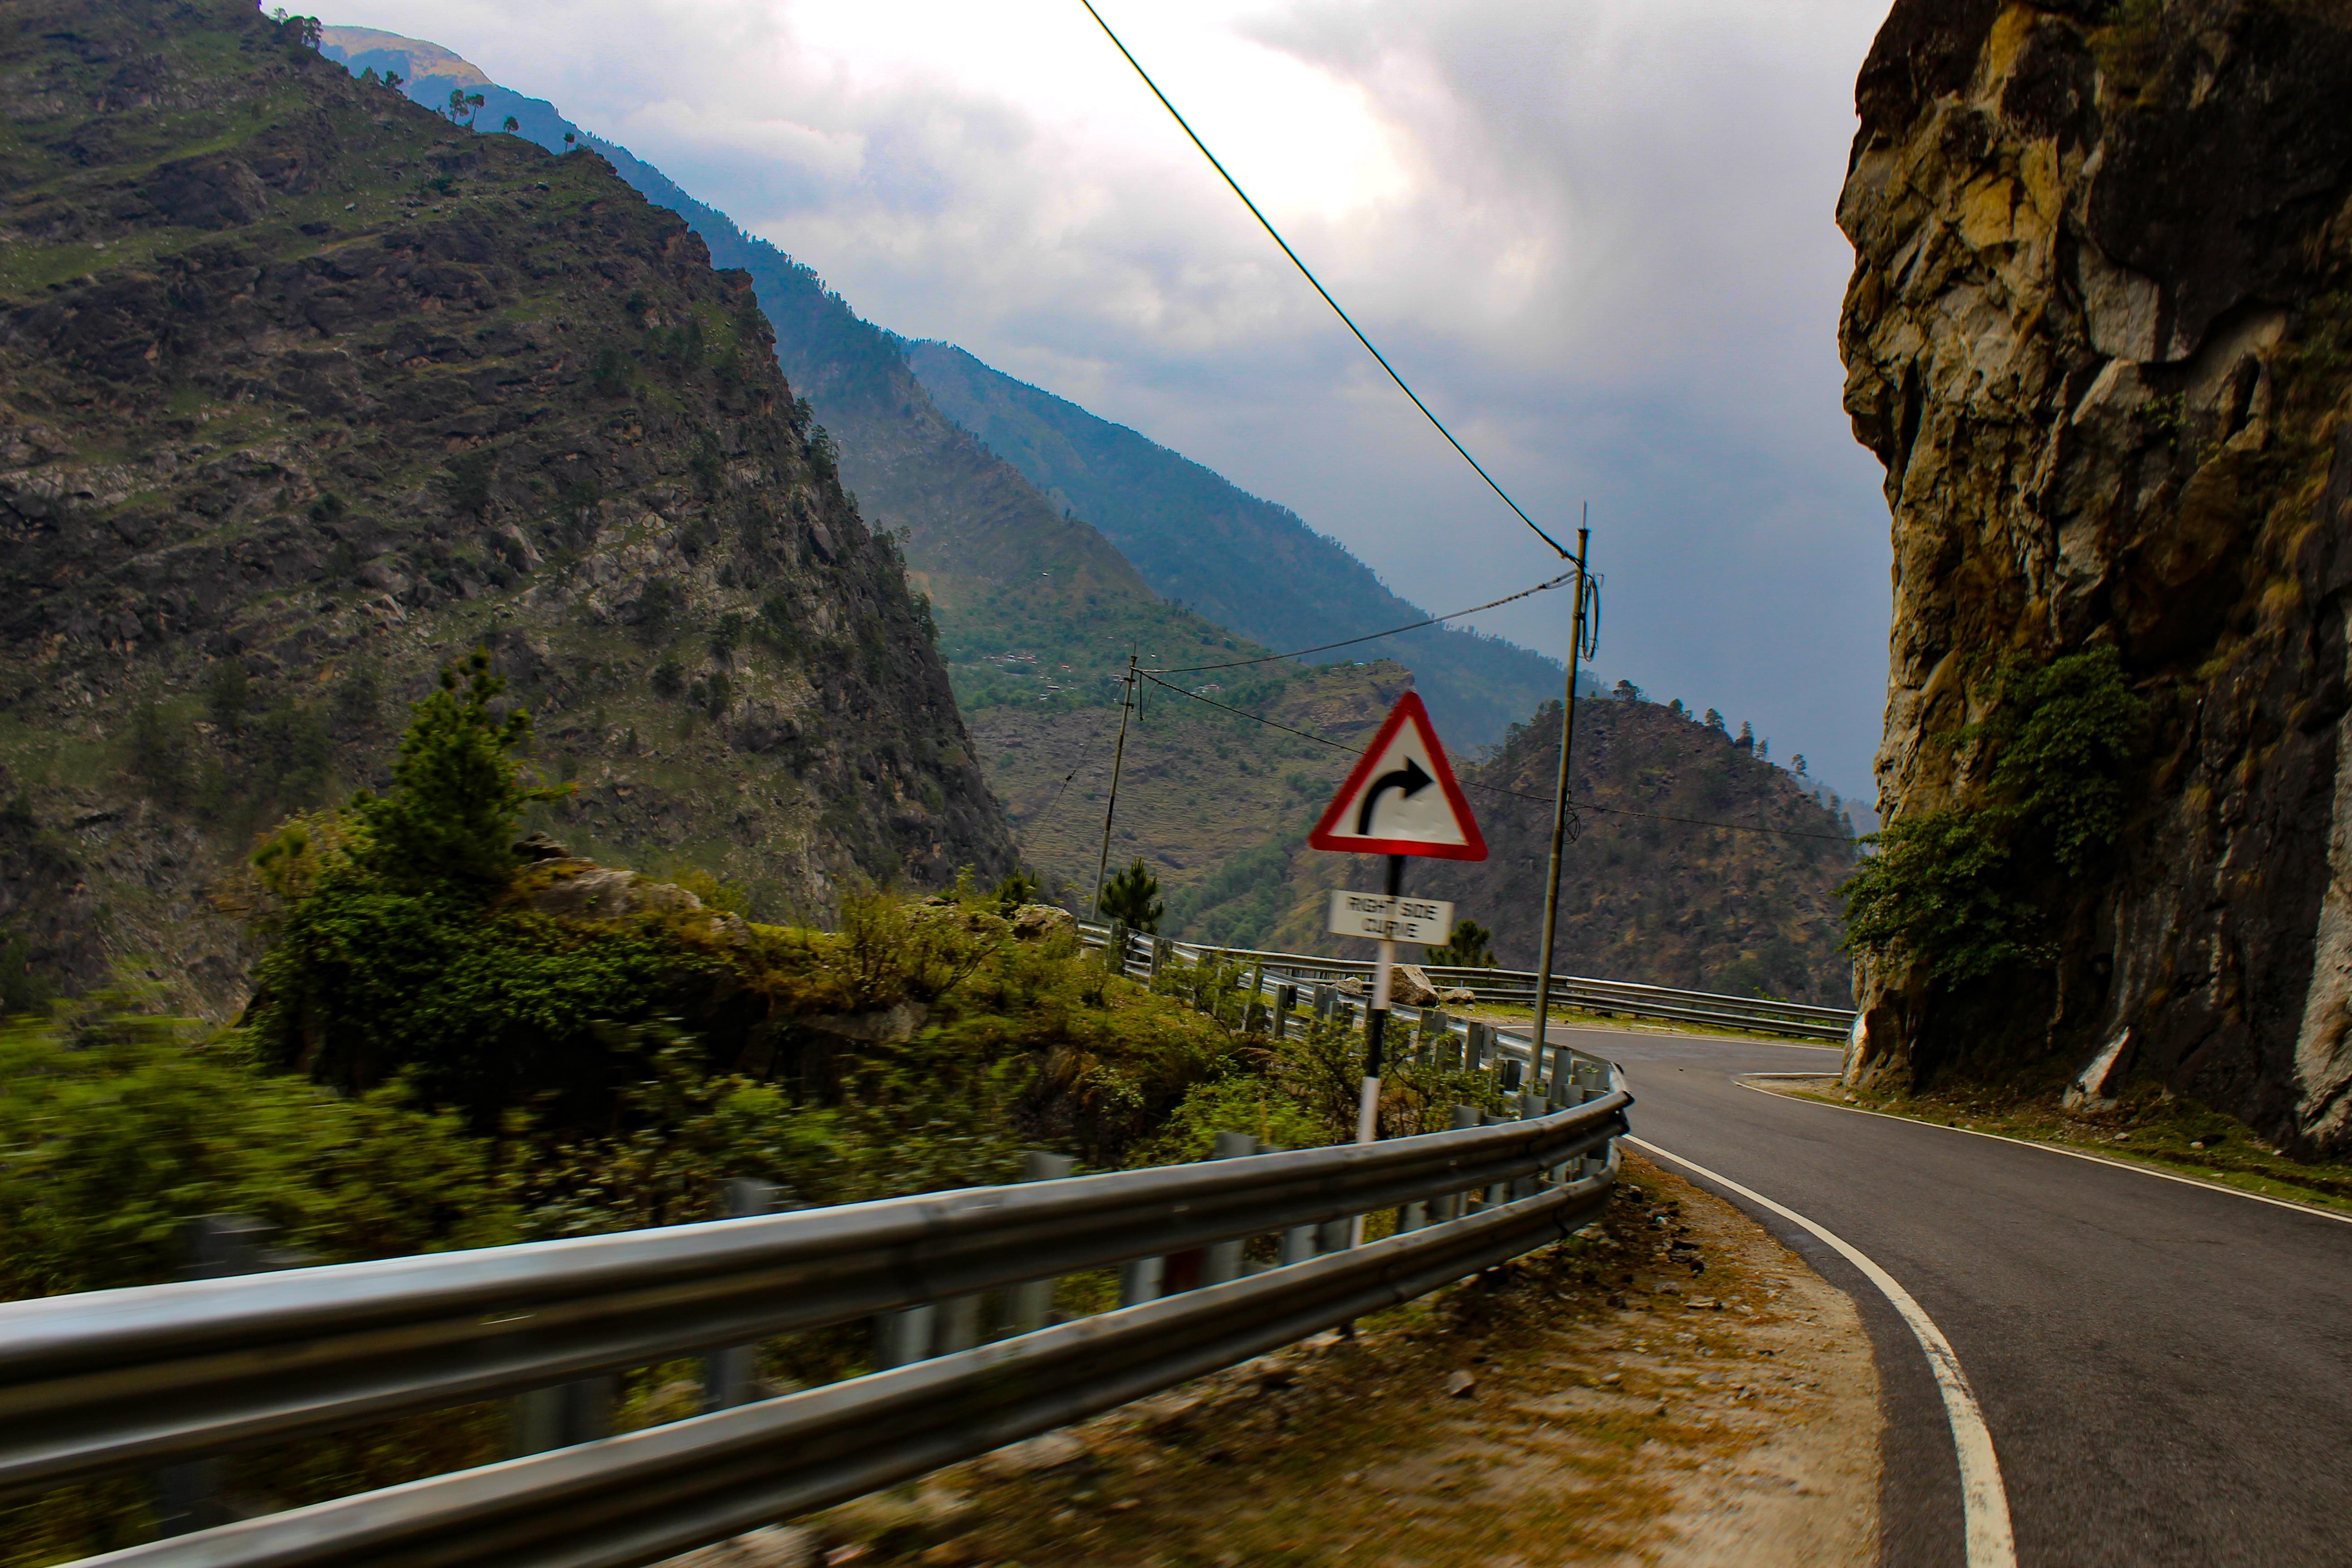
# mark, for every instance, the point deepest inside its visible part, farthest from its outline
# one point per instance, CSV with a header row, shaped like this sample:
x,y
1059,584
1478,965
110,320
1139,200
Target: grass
x,y
2149,1127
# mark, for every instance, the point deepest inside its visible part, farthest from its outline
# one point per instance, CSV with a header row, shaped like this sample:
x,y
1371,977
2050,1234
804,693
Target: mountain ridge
x,y
307,393
1244,561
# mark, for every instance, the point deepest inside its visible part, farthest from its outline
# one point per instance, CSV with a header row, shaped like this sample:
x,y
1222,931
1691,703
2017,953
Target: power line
x,y
1496,789
1373,636
1305,273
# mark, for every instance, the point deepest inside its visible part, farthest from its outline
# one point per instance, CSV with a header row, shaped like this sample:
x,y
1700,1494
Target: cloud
x,y
1597,237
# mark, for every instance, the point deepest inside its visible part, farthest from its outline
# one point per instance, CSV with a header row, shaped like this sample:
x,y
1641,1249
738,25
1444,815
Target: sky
x,y
1596,236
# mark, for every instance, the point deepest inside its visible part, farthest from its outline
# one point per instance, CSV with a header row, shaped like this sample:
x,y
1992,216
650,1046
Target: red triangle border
x,y
1409,708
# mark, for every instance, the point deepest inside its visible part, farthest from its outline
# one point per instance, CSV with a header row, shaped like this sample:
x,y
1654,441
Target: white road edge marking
x,y
1984,1501
2107,1160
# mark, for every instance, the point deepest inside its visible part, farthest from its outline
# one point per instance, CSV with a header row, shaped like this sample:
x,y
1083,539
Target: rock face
x,y
305,390
2098,333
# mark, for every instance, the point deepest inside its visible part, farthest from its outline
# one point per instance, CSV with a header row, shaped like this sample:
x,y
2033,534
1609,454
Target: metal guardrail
x,y
1517,988
134,1377
648,1494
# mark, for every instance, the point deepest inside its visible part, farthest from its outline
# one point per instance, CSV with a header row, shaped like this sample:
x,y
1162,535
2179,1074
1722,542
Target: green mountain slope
x,y
304,391
1244,562
1032,606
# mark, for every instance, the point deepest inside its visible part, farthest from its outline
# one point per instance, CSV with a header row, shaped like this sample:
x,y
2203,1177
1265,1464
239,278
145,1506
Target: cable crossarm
x,y
1375,636
1308,273
1487,788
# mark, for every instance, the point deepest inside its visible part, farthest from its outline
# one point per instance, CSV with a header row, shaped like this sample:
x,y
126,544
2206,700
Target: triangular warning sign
x,y
1402,798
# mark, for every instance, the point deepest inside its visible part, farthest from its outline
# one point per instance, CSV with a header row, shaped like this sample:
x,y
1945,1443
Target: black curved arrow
x,y
1407,781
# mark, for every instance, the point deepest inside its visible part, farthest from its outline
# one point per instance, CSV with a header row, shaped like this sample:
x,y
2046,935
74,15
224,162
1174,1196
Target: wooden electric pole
x,y
1117,756
1558,822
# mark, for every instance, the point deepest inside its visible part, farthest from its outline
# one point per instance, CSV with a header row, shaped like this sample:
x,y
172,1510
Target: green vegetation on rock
x,y
1957,889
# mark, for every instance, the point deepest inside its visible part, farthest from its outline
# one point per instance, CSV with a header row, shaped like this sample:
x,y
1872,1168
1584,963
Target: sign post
x,y
1400,800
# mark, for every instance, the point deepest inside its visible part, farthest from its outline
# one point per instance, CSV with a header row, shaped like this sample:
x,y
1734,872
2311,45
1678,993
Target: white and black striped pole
x,y
1376,1028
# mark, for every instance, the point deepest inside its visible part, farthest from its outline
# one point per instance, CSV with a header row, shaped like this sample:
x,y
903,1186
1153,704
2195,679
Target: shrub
x,y
117,1126
1471,946
457,794
1957,889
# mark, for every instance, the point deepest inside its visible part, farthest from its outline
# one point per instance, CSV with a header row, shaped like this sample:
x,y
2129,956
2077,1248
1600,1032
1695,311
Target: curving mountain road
x,y
2166,1368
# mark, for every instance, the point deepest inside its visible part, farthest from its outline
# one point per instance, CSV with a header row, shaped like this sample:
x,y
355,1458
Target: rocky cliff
x,y
2099,332
304,390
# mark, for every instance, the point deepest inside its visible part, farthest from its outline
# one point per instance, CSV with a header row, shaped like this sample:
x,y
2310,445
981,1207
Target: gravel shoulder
x,y
1674,1389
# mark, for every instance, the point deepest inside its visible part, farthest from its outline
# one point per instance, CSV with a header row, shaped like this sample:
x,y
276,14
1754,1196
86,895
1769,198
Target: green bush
x,y
483,1009
1962,890
116,1128
1470,946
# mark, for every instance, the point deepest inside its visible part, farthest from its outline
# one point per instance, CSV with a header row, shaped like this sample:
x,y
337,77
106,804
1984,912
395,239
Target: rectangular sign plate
x,y
1425,920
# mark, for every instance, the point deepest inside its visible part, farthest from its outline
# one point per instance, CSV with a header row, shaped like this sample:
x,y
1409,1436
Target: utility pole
x,y
1560,819
1117,756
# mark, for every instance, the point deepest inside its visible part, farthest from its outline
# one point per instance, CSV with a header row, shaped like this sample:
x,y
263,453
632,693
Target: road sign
x,y
1425,920
1402,798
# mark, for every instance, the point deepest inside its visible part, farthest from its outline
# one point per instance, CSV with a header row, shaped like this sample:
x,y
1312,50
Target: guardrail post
x,y
1476,1039
187,1496
1160,949
1531,1106
1028,1304
1498,1193
1453,1206
1138,1280
1298,1241
1223,1260
957,1328
903,1337
1513,1073
727,1374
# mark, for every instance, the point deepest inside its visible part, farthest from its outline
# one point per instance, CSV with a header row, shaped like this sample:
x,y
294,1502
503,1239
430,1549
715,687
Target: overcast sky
x,y
1596,235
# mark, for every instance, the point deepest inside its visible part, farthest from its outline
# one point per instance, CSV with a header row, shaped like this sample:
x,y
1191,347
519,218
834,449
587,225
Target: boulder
x,y
1035,922
1409,986
894,1023
584,890
1457,996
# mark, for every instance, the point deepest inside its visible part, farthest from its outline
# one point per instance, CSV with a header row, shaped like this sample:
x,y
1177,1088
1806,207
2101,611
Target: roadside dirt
x,y
1672,1390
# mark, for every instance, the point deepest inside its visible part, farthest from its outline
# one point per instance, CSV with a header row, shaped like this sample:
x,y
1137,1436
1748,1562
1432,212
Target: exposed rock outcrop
x,y
2098,333
305,390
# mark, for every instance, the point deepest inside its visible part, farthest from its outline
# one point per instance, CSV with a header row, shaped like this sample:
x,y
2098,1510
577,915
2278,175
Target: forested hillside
x,y
1243,563
306,390
1642,897
1033,607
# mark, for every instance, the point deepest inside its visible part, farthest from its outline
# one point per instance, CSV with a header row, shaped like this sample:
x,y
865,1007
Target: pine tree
x,y
457,793
1131,897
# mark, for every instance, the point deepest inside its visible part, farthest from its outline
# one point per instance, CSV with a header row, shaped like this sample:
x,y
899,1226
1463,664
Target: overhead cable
x,y
1495,789
1307,273
1372,637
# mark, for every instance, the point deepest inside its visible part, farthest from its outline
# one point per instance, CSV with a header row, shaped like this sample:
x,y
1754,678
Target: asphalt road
x,y
2166,1368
